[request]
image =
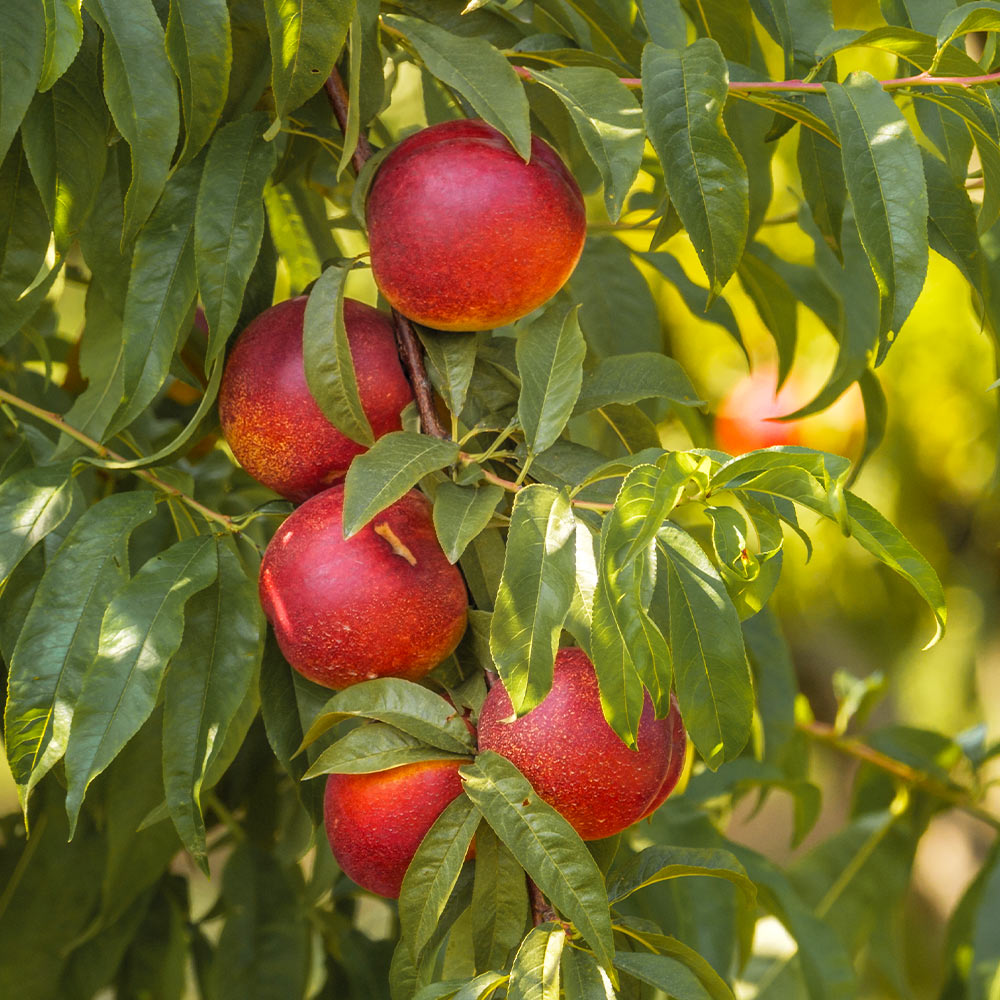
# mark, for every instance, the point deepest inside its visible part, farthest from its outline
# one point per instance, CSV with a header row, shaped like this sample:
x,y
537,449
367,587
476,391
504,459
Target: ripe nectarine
x,y
272,423
384,603
464,234
375,822
576,761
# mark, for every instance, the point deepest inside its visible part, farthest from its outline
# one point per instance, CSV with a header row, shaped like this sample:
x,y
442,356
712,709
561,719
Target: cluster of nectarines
x,y
464,235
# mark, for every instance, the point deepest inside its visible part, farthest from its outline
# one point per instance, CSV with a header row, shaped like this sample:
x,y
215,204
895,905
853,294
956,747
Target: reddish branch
x,y
410,352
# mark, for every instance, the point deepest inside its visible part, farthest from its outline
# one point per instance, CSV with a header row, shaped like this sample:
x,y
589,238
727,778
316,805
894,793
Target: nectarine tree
x,y
346,436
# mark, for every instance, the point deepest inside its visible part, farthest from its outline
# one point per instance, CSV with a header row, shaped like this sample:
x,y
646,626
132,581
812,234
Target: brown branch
x,y
407,344
542,911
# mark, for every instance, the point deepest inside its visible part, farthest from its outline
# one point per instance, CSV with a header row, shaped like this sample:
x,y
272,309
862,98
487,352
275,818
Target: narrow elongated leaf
x,y
306,39
546,846
63,34
209,676
951,221
628,378
140,632
450,363
461,512
33,502
663,972
200,49
403,704
59,637
161,291
434,870
535,973
967,18
477,70
326,354
499,901
535,593
229,221
550,353
710,664
684,96
372,747
657,864
65,139
609,121
885,180
22,52
141,92
582,977
776,304
381,475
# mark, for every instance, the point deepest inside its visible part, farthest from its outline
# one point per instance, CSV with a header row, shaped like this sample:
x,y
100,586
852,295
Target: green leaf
x,y
499,901
886,543
776,304
33,502
550,353
392,466
141,92
461,512
200,49
403,704
329,367
434,870
967,18
372,747
666,974
546,846
535,593
306,39
352,128
140,632
665,23
885,180
22,51
478,71
58,639
161,291
627,378
535,972
229,221
657,864
63,34
609,121
451,359
710,664
209,677
685,94
582,977
65,139
912,46
263,951
951,222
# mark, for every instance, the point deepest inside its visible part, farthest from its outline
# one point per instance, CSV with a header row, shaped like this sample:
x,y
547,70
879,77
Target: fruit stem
x,y
54,420
398,547
407,345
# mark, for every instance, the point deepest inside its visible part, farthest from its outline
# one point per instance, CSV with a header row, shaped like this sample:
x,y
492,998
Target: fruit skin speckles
x,y
464,234
271,421
346,611
575,760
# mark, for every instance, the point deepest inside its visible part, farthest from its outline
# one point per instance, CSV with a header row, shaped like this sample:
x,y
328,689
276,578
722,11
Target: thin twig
x,y
54,420
542,911
407,344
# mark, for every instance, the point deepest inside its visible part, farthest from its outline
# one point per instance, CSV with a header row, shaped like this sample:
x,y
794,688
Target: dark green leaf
x,y
209,677
582,977
33,502
499,901
628,378
392,466
474,68
710,665
951,223
969,17
451,359
657,864
535,593
229,221
685,94
776,304
140,632
461,512
546,846
535,972
59,637
200,49
63,34
665,23
22,51
141,92
885,180
434,870
329,366
666,974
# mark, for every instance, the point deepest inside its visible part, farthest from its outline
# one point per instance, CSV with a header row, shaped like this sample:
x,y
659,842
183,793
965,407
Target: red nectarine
x,y
272,423
384,603
464,234
576,761
375,822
